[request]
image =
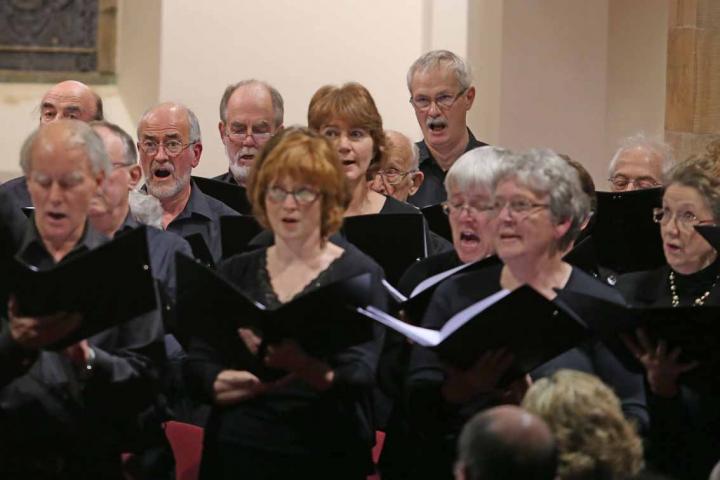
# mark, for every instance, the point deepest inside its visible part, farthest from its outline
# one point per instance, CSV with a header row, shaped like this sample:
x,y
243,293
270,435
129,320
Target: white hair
x,y
145,209
475,170
445,58
651,144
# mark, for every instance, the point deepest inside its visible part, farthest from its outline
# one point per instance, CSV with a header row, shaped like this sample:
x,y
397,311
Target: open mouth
x,y
290,221
248,157
670,247
163,171
437,125
348,162
56,215
469,237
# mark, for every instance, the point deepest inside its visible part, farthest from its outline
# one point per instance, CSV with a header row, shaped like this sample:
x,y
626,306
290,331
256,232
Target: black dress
x,y
685,429
436,423
294,431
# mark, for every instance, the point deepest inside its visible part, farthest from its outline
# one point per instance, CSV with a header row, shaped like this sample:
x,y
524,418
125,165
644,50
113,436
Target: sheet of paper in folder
x,y
696,330
531,327
89,284
625,236
394,241
323,321
234,196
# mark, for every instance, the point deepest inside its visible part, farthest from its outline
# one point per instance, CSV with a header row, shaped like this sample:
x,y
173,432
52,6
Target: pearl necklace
x,y
698,301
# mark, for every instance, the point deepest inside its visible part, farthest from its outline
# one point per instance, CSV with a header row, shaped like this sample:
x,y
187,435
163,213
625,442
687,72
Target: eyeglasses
x,y
172,147
519,207
443,101
302,196
239,137
472,208
685,220
621,182
393,176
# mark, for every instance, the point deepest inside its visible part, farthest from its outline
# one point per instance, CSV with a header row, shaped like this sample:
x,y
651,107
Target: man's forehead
x,y
250,104
640,157
440,77
69,95
165,123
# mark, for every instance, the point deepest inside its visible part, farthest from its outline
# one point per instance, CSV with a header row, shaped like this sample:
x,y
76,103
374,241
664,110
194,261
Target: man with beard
x,y
441,94
251,112
170,147
66,100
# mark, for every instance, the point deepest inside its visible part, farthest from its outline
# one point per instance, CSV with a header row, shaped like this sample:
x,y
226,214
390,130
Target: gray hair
x,y
145,209
546,173
278,105
129,150
77,134
652,145
446,59
475,170
194,135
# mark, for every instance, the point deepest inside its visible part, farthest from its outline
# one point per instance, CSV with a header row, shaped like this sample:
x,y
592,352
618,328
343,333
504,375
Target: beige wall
x,y
566,74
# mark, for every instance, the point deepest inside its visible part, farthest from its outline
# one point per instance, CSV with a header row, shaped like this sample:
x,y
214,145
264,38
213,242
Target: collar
x,y
197,205
426,156
130,223
33,251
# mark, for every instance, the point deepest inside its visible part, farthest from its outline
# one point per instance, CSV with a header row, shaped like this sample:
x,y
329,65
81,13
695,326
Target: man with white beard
x,y
251,112
170,146
441,93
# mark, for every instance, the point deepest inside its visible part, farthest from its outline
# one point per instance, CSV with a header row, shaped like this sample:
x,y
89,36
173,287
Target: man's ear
x,y
197,150
135,176
470,95
417,180
221,130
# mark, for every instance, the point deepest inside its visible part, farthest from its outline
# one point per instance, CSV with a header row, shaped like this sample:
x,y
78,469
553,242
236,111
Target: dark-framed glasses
x,y
518,207
393,176
621,182
238,136
684,219
302,196
172,147
443,101
472,208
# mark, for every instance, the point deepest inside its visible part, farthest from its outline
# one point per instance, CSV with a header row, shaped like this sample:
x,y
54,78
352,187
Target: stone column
x,y
692,114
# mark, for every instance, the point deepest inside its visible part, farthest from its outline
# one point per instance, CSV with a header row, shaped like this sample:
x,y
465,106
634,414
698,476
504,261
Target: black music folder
x,y
414,306
394,241
526,324
625,236
236,233
696,330
200,249
437,220
108,285
711,233
234,196
323,321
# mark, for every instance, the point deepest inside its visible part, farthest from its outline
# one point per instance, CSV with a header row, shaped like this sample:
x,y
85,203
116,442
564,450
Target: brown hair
x,y
586,181
593,437
307,156
353,104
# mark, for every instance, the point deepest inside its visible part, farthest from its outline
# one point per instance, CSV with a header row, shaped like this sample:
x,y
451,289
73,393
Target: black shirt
x,y
226,177
294,419
432,190
202,215
17,188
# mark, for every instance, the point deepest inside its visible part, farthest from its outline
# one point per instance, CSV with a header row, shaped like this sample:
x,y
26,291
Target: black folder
x,y
200,249
323,321
394,241
625,236
416,303
438,221
711,233
694,329
237,232
526,324
107,285
234,196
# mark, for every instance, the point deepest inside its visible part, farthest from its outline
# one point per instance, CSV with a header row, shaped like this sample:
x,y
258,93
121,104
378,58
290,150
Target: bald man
x,y
251,112
66,100
170,147
399,175
506,442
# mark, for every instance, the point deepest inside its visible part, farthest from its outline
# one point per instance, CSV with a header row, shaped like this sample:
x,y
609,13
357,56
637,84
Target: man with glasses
x,y
399,175
639,163
251,112
170,147
441,94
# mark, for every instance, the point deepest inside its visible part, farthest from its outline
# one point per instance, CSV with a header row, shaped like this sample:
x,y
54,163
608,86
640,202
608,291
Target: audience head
x,y
691,197
539,205
441,94
469,185
251,112
64,163
297,187
399,175
639,163
594,439
70,100
125,173
348,117
170,146
506,443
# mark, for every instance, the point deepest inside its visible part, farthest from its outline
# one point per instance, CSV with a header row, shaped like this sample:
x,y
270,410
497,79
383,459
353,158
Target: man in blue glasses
x,y
441,94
